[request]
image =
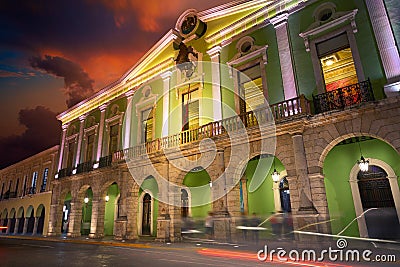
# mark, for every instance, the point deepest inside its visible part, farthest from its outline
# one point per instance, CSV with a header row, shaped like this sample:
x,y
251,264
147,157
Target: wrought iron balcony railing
x,y
285,110
64,172
84,167
344,97
105,161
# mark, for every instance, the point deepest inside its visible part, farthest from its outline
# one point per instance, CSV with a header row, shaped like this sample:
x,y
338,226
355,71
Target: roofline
x,y
38,155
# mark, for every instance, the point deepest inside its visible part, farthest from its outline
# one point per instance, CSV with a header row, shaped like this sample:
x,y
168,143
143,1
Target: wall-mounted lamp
x,y
86,200
107,198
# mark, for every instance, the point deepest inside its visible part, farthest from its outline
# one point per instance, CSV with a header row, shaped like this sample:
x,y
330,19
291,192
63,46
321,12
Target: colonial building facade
x,y
306,92
26,194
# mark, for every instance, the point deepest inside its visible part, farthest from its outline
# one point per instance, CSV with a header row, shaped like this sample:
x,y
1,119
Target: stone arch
x,y
20,212
39,210
331,142
12,212
30,215
4,214
394,186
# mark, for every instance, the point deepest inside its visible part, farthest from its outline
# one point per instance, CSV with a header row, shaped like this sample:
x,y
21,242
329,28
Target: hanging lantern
x,y
363,164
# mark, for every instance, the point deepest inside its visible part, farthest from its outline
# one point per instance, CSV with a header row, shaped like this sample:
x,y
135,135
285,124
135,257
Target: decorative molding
x,y
315,29
260,52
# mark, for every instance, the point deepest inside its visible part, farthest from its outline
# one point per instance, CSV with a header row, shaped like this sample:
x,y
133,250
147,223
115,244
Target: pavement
x,y
190,241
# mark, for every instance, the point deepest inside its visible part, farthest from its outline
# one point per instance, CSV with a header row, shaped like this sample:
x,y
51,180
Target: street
x,y
30,252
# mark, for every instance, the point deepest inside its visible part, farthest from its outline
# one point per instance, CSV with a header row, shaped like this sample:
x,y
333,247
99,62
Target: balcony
x,y
105,161
64,172
282,111
84,167
344,97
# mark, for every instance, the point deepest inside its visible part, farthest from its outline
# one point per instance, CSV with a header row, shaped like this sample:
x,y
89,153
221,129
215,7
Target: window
x,y
24,189
147,125
70,158
44,182
34,182
337,62
114,132
16,187
190,110
89,147
250,89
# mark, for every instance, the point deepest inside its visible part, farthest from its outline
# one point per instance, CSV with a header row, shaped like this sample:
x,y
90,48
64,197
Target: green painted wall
x,y
110,209
200,193
337,166
87,213
151,184
259,185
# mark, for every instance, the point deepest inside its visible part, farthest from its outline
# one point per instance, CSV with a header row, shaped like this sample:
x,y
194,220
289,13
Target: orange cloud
x,y
148,13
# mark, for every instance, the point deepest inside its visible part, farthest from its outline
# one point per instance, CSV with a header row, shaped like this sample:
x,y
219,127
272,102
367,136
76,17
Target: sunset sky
x,y
53,53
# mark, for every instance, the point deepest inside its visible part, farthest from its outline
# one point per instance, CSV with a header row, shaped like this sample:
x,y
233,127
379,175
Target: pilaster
x,y
285,55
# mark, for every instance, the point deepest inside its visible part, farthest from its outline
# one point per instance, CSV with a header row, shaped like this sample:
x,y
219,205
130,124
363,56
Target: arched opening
x,y
256,185
21,223
13,220
40,224
5,220
148,207
184,203
111,208
31,220
196,196
86,212
356,200
66,210
146,215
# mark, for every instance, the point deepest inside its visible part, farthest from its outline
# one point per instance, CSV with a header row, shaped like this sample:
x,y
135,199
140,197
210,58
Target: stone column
x,y
25,225
285,55
96,227
35,226
74,228
16,226
163,218
386,44
214,54
128,119
101,131
221,215
80,140
303,182
54,228
8,226
320,201
64,134
166,88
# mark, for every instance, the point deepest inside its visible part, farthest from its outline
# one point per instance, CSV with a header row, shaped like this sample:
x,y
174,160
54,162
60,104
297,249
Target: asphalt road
x,y
30,252
17,252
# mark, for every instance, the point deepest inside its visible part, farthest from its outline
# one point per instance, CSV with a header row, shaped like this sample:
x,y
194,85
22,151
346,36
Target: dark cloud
x,y
78,84
43,131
